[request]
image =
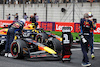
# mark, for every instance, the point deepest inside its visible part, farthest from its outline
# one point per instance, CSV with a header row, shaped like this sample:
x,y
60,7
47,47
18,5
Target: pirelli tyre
x,y
54,44
17,48
41,37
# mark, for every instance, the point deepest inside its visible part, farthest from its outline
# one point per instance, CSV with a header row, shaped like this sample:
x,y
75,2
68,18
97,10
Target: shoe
x,y
86,64
10,55
92,56
6,55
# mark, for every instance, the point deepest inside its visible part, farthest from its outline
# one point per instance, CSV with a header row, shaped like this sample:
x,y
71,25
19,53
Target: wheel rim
x,y
14,49
39,39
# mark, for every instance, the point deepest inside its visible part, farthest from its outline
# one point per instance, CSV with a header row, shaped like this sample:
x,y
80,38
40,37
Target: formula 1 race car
x,y
23,46
33,43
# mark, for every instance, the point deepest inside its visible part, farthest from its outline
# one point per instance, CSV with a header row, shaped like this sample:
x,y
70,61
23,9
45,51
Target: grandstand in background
x,y
43,1
51,10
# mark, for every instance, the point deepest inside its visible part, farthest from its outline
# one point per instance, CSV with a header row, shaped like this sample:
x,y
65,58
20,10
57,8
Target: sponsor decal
x,y
5,22
27,23
47,25
77,27
97,30
2,24
58,26
16,25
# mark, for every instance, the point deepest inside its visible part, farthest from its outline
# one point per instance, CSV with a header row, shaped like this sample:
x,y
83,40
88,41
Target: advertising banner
x,y
77,27
53,26
59,25
48,26
39,24
97,31
4,23
8,22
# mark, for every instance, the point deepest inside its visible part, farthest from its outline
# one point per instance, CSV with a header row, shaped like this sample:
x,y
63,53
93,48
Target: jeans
x,y
9,39
84,47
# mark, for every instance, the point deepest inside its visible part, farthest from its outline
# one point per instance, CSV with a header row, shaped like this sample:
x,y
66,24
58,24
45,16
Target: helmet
x,y
22,21
90,14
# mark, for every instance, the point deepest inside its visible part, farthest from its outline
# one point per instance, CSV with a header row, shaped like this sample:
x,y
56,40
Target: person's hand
x,y
83,39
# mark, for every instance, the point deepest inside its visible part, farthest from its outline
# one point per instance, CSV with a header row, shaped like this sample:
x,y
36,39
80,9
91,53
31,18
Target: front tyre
x,y
54,44
17,48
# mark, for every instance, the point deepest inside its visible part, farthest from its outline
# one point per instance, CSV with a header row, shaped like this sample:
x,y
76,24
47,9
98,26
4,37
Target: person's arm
x,y
81,26
94,25
21,29
10,25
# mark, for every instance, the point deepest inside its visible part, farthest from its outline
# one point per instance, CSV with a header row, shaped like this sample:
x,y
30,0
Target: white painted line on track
x,y
77,49
96,43
96,47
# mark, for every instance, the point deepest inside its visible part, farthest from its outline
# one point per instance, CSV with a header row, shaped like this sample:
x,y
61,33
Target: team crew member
x,y
25,16
91,33
33,20
16,17
37,17
8,17
15,26
86,37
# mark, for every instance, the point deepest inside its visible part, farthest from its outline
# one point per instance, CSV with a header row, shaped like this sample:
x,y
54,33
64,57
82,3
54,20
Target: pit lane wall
x,y
53,26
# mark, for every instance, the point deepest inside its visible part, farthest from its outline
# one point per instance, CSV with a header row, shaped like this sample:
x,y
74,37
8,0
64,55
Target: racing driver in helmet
x,y
91,33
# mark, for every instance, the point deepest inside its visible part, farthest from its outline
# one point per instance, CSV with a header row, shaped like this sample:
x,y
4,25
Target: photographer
x,y
25,16
8,17
15,17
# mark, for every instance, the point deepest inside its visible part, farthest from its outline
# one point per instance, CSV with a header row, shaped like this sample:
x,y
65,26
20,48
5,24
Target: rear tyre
x,y
41,37
17,48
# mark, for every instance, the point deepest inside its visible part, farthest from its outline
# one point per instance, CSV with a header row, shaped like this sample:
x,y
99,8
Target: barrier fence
x,y
53,26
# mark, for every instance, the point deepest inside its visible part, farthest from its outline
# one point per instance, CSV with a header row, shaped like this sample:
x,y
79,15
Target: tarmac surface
x,y
76,59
